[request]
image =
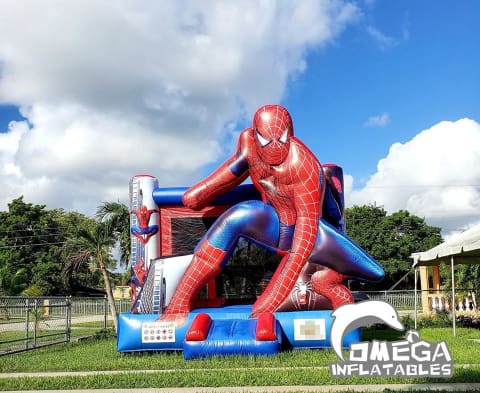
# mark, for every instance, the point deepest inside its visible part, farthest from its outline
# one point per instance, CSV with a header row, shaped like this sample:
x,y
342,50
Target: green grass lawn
x,y
289,368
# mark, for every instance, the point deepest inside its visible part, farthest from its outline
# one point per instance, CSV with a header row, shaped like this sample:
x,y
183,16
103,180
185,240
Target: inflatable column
x,y
144,229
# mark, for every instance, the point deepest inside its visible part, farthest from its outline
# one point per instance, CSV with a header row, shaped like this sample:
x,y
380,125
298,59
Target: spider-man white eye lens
x,y
263,142
283,138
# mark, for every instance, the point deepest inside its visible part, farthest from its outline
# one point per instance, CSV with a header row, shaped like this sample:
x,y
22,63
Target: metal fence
x,y
400,299
435,301
28,323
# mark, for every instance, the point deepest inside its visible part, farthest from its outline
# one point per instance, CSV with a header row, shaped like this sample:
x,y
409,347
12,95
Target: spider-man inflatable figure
x,y
143,232
288,220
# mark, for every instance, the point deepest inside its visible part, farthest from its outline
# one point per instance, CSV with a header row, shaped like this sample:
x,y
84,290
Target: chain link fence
x,y
27,323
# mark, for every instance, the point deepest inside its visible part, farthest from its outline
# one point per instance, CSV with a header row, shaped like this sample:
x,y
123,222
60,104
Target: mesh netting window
x,y
187,232
246,273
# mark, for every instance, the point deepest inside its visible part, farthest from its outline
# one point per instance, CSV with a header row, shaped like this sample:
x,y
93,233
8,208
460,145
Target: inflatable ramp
x,y
209,337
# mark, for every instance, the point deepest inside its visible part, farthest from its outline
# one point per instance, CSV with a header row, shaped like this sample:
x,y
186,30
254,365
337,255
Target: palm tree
x,y
92,245
13,282
117,216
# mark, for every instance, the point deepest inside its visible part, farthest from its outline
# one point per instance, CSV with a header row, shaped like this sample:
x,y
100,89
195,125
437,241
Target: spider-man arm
x,y
228,175
307,200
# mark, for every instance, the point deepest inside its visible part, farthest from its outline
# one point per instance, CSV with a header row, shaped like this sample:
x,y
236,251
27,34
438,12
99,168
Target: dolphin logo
x,y
352,316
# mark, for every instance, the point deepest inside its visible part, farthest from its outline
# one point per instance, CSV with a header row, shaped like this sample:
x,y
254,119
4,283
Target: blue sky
x,y
9,113
389,90
425,72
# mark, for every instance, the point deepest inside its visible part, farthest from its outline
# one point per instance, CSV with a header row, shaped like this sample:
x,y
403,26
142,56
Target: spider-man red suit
x,y
288,219
143,231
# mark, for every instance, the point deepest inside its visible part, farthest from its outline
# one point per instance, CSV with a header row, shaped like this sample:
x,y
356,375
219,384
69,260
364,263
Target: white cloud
x,y
387,41
383,40
378,120
111,89
435,175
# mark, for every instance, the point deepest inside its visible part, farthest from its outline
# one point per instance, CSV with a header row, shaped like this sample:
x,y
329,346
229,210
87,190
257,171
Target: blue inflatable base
x,y
232,337
231,332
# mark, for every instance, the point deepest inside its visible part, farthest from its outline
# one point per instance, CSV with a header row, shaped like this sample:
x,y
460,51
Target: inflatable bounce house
x,y
229,268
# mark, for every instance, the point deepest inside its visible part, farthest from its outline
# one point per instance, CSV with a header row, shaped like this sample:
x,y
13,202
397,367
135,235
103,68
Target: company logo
x,y
411,357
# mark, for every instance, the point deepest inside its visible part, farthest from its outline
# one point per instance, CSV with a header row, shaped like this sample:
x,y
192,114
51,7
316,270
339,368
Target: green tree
x,y
84,276
363,224
13,282
29,237
390,239
92,246
31,244
467,277
117,216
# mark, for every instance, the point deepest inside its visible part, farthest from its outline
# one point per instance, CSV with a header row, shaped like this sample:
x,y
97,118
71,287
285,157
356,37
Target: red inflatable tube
x,y
199,328
266,330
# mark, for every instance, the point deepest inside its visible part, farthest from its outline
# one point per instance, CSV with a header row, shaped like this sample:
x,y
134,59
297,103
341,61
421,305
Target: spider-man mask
x,y
273,128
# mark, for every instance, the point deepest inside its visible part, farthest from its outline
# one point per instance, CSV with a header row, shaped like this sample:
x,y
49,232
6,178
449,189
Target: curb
x,y
446,387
